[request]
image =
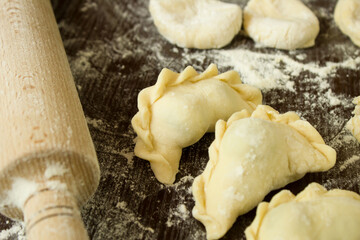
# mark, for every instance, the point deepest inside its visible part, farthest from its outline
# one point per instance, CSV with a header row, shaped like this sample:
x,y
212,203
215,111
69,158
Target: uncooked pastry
x,y
314,214
196,23
354,123
347,17
250,156
180,108
283,24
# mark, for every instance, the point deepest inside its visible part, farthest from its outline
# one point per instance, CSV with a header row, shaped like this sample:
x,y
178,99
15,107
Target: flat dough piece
x,y
251,156
354,123
347,17
283,24
314,214
180,108
196,23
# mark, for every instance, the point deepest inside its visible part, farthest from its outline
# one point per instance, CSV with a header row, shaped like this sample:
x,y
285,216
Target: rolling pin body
x,y
48,164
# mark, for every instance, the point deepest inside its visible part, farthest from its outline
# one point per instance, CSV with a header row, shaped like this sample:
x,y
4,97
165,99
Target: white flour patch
x,y
89,5
272,70
179,213
93,62
55,169
96,123
129,155
17,230
21,190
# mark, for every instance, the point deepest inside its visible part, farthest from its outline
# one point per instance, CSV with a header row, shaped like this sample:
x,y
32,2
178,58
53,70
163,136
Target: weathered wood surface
x,y
115,51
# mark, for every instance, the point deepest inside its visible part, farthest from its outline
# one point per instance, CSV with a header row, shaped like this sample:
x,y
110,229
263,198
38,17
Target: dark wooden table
x,y
115,51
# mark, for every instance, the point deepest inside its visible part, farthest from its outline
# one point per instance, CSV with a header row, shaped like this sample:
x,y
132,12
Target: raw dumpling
x,y
354,123
347,17
314,214
283,24
250,156
180,108
196,23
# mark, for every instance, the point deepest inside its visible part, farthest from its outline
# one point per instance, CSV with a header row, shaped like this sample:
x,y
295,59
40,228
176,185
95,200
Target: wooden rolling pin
x,y
48,164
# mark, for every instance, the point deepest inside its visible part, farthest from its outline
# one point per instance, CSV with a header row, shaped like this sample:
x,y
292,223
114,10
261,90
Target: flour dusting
x,y
180,212
21,190
55,169
17,230
124,53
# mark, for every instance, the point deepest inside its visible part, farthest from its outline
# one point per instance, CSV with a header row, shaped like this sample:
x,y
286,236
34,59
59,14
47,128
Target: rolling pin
x,y
48,164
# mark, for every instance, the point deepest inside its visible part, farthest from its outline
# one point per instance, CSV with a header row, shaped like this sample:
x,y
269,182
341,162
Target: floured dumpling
x,y
250,156
180,108
347,17
354,123
283,24
196,23
314,214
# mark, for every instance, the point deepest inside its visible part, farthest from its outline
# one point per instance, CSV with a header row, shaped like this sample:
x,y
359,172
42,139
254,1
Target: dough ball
x,y
283,24
196,23
347,17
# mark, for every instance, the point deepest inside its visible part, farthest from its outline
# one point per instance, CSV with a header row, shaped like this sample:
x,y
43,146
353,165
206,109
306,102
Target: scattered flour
x,y
96,123
179,213
55,169
132,218
267,69
273,71
129,155
20,191
89,5
56,185
17,230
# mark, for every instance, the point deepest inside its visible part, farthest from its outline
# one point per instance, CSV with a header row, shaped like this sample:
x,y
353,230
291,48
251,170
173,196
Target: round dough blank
x,y
196,23
347,17
283,24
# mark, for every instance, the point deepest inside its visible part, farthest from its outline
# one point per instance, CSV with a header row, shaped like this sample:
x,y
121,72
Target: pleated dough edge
x,y
304,128
313,190
199,211
147,97
262,112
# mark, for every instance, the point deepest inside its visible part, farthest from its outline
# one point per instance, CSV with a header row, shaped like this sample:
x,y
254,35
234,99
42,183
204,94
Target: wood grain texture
x,y
114,51
42,126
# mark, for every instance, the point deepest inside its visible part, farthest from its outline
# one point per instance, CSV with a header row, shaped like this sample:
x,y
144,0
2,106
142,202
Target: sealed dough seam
x,y
262,112
167,78
313,190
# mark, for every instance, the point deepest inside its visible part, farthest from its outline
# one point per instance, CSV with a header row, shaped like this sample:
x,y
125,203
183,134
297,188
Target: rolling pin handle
x,y
53,214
